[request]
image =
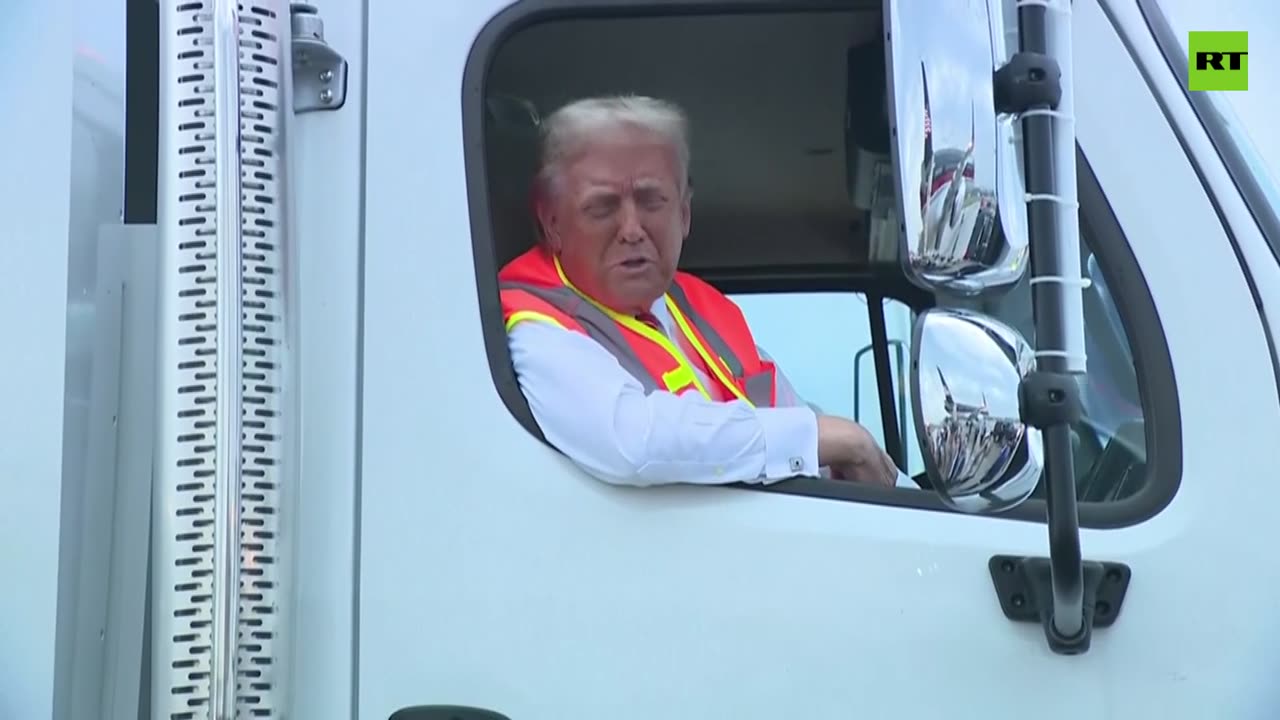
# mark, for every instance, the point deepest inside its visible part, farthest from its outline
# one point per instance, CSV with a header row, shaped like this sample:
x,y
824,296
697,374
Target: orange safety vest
x,y
534,288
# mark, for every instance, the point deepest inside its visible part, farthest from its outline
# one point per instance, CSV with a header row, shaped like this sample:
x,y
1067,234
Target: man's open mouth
x,y
634,263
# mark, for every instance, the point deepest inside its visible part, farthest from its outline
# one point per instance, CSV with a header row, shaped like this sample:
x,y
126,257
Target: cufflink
x,y
797,464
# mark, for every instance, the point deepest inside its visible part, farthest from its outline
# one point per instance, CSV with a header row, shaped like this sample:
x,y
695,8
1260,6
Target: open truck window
x,y
836,372
785,115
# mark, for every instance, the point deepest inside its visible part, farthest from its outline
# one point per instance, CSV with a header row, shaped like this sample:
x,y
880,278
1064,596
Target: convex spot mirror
x,y
966,369
961,197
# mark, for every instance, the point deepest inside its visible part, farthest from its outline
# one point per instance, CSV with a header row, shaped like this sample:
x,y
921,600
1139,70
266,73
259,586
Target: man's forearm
x,y
688,439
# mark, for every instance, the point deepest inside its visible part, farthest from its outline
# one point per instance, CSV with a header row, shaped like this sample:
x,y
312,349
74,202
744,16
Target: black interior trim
x,y
818,278
893,440
1157,384
142,111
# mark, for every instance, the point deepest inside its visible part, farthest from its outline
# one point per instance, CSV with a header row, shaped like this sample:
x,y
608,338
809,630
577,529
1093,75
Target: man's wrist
x,y
835,445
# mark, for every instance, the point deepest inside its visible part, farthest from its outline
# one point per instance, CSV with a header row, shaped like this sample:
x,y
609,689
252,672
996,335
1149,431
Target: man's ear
x,y
547,224
686,212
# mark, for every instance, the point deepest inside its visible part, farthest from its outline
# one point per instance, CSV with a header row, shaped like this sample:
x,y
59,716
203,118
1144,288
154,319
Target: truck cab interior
x,y
785,109
767,96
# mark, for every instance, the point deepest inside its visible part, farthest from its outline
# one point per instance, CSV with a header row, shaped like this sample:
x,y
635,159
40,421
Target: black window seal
x,y
1156,381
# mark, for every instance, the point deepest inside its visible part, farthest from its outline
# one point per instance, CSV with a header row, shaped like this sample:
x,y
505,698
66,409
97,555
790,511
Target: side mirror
x,y
991,418
961,197
966,369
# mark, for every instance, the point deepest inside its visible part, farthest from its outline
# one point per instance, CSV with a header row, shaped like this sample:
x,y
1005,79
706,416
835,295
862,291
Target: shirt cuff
x,y
790,443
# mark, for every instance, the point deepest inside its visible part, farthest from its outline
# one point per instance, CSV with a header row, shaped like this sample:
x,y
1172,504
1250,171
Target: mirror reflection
x,y
960,190
966,369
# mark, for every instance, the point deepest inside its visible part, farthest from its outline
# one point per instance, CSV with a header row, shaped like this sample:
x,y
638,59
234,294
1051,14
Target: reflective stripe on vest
x,y
759,387
601,324
717,343
664,342
601,328
521,315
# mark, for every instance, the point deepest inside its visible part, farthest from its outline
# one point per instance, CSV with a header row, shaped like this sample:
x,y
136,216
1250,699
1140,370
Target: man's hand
x,y
852,454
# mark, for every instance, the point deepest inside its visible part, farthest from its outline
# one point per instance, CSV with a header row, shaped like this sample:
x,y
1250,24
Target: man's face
x,y
618,219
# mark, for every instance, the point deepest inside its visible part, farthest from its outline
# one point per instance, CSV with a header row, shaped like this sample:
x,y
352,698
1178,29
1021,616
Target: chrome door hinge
x,y
319,72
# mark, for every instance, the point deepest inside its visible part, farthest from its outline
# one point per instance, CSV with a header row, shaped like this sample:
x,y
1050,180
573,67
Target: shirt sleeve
x,y
788,397
785,391
599,415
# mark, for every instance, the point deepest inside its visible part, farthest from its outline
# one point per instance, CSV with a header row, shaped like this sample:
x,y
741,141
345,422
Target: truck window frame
x,y
1154,367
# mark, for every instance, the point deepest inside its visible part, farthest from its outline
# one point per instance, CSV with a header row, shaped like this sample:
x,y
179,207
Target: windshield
x,y
1240,123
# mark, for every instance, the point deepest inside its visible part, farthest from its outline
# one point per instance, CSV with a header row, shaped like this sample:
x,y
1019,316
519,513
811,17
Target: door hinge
x,y
319,71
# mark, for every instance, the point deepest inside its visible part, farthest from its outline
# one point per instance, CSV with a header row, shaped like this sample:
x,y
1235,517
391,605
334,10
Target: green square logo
x,y
1218,61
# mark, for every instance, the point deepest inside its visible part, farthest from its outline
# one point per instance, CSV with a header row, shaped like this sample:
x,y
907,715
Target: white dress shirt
x,y
598,414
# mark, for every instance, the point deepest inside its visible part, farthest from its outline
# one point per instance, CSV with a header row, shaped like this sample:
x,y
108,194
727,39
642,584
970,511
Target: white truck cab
x,y
265,455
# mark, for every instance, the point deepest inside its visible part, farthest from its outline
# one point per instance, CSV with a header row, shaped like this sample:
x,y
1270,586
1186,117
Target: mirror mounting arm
x,y
1061,591
1050,401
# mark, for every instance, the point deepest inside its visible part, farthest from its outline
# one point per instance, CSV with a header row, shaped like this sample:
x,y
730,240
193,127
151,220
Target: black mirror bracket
x,y
1067,595
1024,586
1028,80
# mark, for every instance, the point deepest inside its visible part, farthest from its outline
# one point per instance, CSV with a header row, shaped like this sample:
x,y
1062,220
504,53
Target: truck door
x,y
354,512
514,581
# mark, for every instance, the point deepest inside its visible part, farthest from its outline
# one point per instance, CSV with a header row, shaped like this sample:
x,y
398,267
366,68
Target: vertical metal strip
x,y
185,524
270,425
226,442
230,369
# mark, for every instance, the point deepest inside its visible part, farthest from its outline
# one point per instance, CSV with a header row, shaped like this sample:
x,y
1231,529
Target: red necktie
x,y
651,320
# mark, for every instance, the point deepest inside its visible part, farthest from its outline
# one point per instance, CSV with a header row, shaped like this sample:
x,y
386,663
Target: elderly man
x,y
641,374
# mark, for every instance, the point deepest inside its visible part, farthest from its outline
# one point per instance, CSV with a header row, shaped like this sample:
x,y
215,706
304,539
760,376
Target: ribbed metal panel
x,y
268,424
219,590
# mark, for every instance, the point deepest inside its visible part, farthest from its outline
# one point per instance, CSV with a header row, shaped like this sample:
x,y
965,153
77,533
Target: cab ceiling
x,y
765,96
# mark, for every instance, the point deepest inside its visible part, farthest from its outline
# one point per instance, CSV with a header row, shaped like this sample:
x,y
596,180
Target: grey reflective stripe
x,y
599,327
717,343
759,389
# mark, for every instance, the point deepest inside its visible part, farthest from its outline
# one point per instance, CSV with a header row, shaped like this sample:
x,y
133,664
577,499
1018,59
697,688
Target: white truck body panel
x,y
778,603
33,278
442,554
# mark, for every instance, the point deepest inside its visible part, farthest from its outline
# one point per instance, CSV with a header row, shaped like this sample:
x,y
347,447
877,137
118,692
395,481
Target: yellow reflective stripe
x,y
520,315
706,356
644,330
680,378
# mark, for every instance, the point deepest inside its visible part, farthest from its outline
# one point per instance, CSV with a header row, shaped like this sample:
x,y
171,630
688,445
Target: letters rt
x,y
1218,61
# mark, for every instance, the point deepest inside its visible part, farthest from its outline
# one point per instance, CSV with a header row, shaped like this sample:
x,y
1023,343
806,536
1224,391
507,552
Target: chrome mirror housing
x,y
966,369
960,190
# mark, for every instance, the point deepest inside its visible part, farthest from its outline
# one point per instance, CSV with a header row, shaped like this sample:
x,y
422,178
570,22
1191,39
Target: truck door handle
x,y
445,712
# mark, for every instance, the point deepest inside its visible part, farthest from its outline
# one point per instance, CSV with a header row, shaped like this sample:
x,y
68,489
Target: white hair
x,y
565,130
